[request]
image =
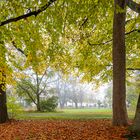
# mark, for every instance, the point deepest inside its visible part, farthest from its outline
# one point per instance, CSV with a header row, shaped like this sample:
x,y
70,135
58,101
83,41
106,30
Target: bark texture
x,y
119,65
3,106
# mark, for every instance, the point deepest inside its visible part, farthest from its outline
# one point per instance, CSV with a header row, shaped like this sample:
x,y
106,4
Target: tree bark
x,y
3,106
119,65
136,125
38,103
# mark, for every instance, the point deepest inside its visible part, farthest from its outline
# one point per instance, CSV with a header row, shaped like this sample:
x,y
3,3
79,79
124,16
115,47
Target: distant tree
x,y
61,87
108,96
76,92
99,103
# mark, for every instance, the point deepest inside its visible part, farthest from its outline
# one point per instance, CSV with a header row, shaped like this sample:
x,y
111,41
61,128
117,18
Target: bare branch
x,y
42,76
30,96
32,13
133,69
102,43
126,68
135,30
42,89
84,22
18,49
133,6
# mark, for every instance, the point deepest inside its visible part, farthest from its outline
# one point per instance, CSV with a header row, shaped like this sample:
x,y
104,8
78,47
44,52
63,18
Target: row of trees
x,y
33,88
67,36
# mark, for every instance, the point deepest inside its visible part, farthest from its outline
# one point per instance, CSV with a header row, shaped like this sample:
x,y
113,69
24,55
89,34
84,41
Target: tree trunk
x,y
61,105
76,105
136,125
3,106
81,104
119,65
38,103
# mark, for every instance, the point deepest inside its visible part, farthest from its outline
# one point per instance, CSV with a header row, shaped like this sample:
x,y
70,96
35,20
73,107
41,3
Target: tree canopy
x,y
72,36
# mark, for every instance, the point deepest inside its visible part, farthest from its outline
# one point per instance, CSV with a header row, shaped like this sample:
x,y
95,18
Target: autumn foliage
x,y
61,130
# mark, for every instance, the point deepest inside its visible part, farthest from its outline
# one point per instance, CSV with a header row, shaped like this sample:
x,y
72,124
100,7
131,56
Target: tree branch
x,y
133,6
28,93
126,68
109,41
133,69
42,77
32,13
18,49
102,43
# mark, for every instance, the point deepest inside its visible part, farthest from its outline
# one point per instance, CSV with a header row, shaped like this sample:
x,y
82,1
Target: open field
x,y
71,114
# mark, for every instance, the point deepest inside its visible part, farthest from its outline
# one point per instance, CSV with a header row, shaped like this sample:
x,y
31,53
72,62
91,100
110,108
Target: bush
x,y
14,109
49,104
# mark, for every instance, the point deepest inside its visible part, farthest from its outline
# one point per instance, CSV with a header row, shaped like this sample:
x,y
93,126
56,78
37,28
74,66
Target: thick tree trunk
x,y
119,64
136,125
3,106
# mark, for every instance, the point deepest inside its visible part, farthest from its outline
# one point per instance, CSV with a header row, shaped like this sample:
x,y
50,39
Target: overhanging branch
x,y
133,69
128,68
109,41
133,6
32,13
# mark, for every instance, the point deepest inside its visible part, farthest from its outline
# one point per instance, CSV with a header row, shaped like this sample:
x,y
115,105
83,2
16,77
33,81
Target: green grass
x,y
71,114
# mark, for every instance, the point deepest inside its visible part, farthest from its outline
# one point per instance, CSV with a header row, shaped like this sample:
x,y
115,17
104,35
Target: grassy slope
x,y
82,114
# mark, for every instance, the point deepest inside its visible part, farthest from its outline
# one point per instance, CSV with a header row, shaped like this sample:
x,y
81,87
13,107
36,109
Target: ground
x,y
66,124
98,129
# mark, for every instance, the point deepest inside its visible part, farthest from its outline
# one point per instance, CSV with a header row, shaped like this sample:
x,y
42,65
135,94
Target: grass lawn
x,y
71,114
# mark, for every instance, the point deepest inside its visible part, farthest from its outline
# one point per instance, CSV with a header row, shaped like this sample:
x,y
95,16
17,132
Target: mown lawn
x,y
71,114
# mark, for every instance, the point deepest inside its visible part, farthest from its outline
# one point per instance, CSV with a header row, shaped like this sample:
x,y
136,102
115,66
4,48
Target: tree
x,y
119,60
119,64
60,33
76,27
3,64
3,106
61,90
34,86
108,96
69,89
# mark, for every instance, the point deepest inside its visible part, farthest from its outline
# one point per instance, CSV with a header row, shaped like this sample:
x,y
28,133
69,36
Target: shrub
x,y
50,104
14,109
